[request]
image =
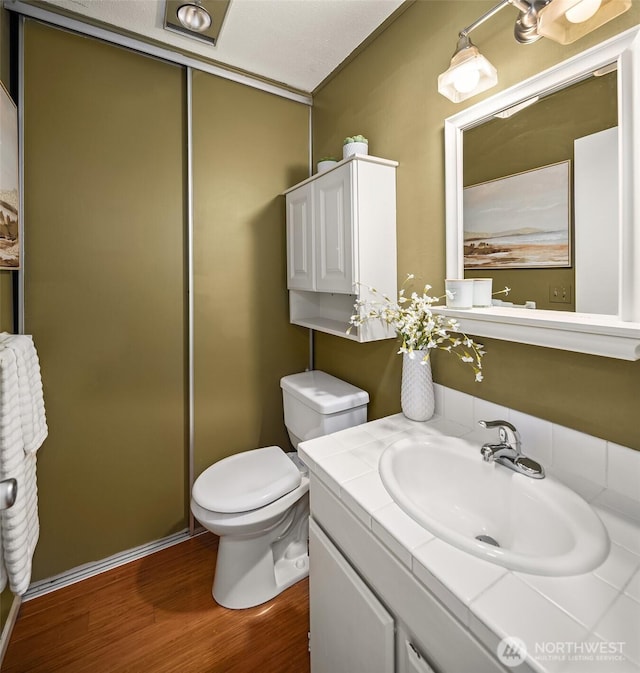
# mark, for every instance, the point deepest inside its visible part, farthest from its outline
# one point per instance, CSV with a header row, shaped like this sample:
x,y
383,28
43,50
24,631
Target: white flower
x,y
417,327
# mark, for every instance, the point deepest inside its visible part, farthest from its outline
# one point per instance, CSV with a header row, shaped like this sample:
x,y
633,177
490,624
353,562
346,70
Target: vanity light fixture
x,y
469,73
564,21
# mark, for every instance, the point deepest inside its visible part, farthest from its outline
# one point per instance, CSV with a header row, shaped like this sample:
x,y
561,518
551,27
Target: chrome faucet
x,y
508,452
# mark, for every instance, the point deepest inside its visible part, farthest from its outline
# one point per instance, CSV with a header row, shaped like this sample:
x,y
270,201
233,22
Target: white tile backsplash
x,y
579,453
623,471
604,473
488,411
439,398
536,436
458,407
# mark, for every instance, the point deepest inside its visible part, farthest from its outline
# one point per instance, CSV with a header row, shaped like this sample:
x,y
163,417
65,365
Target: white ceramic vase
x,y
417,397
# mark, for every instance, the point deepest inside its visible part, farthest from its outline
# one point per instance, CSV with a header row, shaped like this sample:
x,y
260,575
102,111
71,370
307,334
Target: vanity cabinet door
x,y
300,239
333,195
351,631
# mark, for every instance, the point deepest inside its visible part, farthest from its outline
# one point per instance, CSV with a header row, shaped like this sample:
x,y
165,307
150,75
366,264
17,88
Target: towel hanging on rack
x,y
32,413
22,430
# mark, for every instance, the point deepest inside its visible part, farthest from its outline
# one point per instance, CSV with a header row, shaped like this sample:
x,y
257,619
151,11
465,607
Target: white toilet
x,y
258,501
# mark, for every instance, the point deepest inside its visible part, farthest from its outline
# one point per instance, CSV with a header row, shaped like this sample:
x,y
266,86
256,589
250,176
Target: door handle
x,y
8,493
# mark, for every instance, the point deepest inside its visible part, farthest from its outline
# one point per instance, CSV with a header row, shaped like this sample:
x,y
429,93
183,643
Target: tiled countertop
x,y
585,623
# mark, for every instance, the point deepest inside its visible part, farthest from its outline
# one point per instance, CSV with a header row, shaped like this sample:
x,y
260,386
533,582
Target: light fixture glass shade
x,y
566,21
469,74
194,17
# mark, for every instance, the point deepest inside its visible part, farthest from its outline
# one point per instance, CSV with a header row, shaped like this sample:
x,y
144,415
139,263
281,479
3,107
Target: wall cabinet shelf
x,y
341,240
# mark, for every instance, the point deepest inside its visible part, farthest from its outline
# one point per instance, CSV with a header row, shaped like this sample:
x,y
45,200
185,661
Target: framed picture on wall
x,y
9,183
519,221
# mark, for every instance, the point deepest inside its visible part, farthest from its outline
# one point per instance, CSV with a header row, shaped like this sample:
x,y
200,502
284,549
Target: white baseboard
x,y
42,587
5,636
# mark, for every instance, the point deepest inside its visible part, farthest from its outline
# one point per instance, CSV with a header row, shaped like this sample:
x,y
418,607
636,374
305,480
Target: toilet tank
x,y
316,404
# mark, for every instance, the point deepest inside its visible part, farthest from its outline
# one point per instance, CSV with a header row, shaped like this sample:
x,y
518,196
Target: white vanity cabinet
x,y
350,628
369,613
341,240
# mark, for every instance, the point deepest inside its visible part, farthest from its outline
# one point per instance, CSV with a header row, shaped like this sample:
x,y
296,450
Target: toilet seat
x,y
256,521
246,481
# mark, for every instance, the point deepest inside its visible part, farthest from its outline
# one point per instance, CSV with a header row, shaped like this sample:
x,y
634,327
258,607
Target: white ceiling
x,y
295,42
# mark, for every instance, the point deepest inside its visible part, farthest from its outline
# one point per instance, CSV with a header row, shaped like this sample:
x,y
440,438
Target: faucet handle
x,y
497,424
506,431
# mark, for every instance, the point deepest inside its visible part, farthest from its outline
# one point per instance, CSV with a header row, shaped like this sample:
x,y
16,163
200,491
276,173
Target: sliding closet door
x,y
248,147
105,285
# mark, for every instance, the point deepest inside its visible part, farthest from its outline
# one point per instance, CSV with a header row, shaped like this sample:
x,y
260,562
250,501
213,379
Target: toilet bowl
x,y
258,501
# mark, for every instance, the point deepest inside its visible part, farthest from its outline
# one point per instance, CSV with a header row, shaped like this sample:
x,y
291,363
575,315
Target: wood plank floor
x,y
156,615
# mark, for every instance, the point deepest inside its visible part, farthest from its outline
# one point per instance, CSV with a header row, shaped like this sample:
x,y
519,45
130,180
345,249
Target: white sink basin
x,y
541,526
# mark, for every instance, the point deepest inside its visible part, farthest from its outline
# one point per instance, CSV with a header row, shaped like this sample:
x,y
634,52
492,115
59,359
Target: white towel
x,y
32,414
19,526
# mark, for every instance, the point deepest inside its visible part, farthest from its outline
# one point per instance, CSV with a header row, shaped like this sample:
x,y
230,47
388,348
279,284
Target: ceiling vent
x,y
199,19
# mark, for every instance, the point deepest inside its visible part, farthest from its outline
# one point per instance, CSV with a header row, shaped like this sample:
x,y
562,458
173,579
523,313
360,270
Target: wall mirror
x,y
600,313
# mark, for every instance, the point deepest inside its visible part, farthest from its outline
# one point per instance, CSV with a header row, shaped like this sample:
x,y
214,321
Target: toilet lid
x,y
246,481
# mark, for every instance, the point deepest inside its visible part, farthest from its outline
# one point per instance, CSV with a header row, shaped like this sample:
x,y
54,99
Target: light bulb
x,y
583,11
194,17
466,80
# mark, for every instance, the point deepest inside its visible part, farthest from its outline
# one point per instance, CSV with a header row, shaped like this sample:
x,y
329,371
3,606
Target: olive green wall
x,y
104,288
540,135
248,147
389,94
105,218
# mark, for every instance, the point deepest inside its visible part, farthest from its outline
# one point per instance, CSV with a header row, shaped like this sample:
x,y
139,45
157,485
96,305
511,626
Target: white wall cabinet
x,y
341,240
300,262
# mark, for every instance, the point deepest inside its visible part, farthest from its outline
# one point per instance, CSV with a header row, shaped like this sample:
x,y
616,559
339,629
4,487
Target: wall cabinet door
x,y
351,631
341,240
333,218
300,240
